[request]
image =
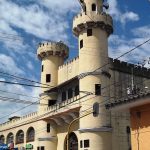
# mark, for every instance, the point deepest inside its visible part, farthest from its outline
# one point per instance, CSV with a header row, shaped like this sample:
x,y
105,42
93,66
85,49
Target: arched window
x,y
30,134
20,137
93,7
95,109
10,138
2,139
72,142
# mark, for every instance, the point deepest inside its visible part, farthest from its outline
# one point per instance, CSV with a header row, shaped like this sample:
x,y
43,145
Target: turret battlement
x,y
52,48
69,62
87,20
22,119
125,67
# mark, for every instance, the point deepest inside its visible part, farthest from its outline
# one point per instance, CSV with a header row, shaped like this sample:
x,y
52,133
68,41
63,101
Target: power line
x,y
21,78
125,53
8,82
19,94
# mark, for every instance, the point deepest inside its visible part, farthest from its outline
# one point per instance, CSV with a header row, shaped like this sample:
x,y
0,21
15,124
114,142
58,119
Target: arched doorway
x,y
72,142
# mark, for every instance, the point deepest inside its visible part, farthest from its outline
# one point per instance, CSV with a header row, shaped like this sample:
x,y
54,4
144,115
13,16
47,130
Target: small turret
x,y
52,55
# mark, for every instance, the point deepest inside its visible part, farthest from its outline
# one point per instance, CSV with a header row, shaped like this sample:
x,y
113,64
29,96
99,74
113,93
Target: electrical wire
x,y
21,78
8,82
3,91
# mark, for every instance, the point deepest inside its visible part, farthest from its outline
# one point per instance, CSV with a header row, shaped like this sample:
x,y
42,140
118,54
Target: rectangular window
x,y
70,93
97,89
42,68
38,148
81,144
48,127
86,143
76,90
48,77
63,96
81,44
89,32
42,148
51,102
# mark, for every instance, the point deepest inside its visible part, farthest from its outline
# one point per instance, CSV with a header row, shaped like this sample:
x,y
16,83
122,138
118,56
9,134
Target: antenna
x,y
105,5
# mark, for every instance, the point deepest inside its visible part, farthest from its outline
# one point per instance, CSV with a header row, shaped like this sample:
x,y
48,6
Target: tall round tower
x,y
52,55
93,27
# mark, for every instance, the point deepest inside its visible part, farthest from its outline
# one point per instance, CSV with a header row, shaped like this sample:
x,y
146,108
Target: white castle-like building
x,y
79,89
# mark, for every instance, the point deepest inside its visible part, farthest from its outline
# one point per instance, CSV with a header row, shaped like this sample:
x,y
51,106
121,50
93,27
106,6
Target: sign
x,y
3,146
29,146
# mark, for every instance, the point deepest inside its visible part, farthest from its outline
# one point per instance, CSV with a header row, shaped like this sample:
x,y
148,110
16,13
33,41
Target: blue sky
x,y
23,24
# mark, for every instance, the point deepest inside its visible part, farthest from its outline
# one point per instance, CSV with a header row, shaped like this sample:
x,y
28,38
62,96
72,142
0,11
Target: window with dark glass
x,y
48,77
20,137
70,93
63,96
30,134
95,109
51,102
76,92
48,127
81,144
97,89
81,44
38,148
10,138
128,130
89,32
42,68
86,143
93,7
42,148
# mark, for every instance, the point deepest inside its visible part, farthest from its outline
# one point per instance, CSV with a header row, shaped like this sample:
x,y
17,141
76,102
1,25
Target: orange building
x,y
139,107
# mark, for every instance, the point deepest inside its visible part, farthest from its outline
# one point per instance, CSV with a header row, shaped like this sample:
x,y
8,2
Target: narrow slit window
x,y
48,128
81,144
95,109
89,32
42,68
86,143
97,89
48,77
81,44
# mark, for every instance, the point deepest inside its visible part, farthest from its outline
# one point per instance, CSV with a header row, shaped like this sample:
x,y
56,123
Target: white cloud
x,y
8,64
9,107
142,31
29,65
129,16
121,16
37,21
120,44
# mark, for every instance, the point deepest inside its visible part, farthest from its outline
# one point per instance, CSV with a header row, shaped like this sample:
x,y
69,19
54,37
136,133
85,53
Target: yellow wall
x,y
140,124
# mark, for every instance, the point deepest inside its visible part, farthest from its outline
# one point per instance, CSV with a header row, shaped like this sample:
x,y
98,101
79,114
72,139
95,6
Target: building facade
x,y
74,93
138,105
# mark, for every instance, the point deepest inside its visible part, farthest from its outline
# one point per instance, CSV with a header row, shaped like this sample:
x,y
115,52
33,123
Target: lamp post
x,y
72,122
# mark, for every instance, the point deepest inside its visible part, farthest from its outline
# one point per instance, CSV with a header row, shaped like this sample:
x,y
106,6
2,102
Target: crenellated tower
x,y
92,27
52,55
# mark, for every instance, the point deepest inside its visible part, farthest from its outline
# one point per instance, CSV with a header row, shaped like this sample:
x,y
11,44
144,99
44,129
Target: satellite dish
x,y
105,5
